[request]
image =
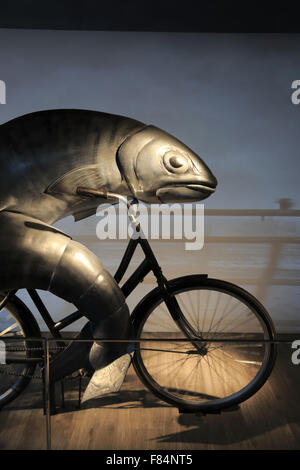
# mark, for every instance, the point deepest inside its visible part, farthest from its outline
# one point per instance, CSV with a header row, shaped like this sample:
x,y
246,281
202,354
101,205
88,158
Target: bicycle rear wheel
x,y
16,324
235,359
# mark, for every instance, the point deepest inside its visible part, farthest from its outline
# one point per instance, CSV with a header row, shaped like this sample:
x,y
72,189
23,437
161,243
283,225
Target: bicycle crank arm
x,y
73,358
17,359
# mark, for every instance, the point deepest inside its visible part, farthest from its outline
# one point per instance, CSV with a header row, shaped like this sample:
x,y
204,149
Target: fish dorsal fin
x,y
67,184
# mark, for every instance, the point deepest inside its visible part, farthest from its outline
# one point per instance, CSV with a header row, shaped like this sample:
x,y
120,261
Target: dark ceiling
x,y
134,15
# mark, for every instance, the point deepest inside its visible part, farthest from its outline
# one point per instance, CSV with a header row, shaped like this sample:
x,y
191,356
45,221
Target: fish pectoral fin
x,y
84,213
68,183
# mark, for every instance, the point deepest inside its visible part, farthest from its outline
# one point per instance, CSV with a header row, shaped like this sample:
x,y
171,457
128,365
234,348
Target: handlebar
x,y
103,194
91,192
108,195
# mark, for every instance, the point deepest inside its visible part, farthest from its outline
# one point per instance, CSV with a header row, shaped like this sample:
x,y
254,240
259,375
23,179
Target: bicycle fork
x,y
174,309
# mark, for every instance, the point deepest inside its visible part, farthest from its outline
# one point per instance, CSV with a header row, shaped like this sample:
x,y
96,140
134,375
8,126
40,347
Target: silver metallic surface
x,y
159,168
36,255
107,380
44,157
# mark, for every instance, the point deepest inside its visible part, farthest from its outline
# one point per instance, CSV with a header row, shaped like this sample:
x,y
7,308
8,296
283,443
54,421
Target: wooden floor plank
x,y
135,419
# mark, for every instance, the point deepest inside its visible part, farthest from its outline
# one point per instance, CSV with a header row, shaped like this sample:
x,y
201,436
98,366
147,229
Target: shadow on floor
x,y
270,419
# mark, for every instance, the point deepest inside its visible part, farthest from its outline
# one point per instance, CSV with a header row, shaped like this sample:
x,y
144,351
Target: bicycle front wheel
x,y
236,352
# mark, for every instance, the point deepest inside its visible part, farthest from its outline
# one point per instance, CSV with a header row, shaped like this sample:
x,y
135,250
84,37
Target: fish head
x,y
159,168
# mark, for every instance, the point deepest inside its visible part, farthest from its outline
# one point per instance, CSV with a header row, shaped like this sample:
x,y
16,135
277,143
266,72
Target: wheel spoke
x,y
216,371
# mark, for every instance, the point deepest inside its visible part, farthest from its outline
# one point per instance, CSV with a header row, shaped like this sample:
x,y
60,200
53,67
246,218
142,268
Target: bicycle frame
x,y
149,264
76,356
146,266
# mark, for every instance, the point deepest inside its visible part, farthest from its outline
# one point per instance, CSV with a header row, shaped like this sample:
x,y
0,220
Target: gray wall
x,y
228,97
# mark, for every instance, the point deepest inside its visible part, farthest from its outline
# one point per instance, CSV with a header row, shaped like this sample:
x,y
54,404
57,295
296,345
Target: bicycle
x,y
202,344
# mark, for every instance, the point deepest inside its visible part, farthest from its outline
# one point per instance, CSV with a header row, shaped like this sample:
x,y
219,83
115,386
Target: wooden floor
x,y
135,419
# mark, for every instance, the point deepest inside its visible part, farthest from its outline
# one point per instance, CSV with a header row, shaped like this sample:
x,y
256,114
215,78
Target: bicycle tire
x,y
28,329
194,400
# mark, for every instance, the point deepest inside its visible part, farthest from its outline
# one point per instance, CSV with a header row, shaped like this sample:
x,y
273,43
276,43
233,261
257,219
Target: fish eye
x,y
176,163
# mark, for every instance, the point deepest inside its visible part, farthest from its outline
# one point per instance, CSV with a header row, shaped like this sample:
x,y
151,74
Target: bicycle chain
x,y
24,348
31,376
15,349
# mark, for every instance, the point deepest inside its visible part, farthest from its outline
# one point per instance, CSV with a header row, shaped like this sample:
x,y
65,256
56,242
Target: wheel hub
x,y
202,350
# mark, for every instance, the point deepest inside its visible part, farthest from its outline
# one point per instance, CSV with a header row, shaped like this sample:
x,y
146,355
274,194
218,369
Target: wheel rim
x,y
223,374
12,375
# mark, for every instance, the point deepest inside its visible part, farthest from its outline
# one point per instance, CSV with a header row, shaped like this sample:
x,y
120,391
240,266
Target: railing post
x,y
47,392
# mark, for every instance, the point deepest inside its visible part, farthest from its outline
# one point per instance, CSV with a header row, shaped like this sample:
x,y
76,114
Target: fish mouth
x,y
186,192
202,187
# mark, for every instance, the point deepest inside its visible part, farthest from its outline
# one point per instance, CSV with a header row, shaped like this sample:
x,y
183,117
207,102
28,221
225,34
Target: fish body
x,y
44,157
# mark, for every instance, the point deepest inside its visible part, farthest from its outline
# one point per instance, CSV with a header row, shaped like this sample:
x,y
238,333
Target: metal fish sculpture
x,y
44,157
